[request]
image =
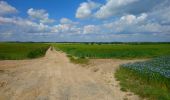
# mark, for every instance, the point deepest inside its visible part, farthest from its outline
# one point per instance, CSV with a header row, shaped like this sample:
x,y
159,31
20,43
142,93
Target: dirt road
x,y
53,77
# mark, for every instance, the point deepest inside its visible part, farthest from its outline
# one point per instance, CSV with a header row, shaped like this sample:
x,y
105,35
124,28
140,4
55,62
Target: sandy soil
x,y
54,77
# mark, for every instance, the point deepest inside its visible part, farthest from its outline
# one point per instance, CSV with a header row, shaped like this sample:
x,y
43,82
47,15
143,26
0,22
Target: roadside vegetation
x,y
149,79
78,60
15,51
74,59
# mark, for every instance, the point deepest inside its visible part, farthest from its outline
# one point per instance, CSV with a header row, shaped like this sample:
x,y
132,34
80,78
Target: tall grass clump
x,y
150,79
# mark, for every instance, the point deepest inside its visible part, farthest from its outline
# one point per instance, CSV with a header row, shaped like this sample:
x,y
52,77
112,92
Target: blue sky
x,y
85,20
56,8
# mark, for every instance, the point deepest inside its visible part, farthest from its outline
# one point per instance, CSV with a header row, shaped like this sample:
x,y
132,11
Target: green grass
x,y
121,51
151,83
22,50
78,60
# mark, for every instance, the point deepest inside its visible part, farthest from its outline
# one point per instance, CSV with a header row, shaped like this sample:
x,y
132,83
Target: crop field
x,y
122,51
148,79
22,50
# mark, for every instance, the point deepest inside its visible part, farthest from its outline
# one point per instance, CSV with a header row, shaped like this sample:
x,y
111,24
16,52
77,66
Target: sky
x,y
85,20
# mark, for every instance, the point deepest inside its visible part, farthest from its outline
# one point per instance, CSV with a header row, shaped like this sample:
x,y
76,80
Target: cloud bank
x,y
114,20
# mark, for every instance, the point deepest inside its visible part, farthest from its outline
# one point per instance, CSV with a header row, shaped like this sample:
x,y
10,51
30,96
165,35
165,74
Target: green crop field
x,y
149,79
122,51
22,50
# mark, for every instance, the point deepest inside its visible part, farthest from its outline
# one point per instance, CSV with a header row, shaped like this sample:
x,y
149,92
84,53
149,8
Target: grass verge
x,y
78,60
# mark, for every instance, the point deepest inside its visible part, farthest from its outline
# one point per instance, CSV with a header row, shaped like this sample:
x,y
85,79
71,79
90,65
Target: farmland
x,y
121,51
149,79
22,50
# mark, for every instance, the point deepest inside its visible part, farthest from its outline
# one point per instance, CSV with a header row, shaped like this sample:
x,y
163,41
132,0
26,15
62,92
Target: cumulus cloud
x,y
131,24
67,21
161,15
111,7
125,23
90,29
27,26
22,25
115,8
5,8
39,14
154,28
66,26
132,19
85,9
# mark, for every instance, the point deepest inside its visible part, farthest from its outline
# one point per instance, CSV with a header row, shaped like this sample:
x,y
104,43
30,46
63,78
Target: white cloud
x,y
6,34
66,28
4,20
23,25
161,14
154,28
5,8
90,29
132,19
67,21
40,14
111,7
131,24
126,22
85,9
61,28
29,26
